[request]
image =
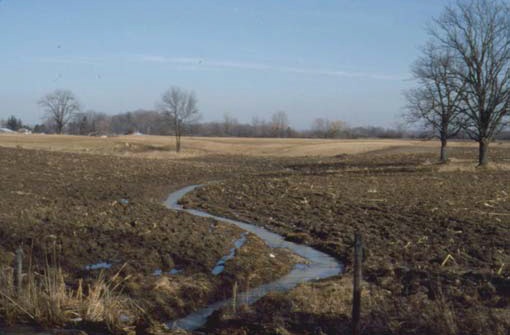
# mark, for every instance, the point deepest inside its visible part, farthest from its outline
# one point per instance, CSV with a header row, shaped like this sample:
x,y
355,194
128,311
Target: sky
x,y
342,60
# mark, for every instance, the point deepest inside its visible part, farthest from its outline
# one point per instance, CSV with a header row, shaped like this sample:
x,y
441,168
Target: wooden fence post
x,y
19,269
234,297
356,295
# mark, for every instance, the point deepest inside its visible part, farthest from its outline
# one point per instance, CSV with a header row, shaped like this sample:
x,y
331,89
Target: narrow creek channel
x,y
319,265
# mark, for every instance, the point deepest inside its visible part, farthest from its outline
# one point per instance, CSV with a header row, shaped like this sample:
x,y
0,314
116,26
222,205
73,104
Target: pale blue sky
x,y
345,59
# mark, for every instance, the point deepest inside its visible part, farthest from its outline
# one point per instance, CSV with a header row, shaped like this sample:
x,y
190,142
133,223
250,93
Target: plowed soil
x,y
90,209
437,244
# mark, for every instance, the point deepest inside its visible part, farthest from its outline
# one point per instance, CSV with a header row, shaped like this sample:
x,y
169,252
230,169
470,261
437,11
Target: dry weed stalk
x,y
47,300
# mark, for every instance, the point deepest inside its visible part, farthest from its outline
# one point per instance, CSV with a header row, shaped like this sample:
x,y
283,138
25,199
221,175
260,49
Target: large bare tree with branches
x,y
437,101
477,34
180,108
60,106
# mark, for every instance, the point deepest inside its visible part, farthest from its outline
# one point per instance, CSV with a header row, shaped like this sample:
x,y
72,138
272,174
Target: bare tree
x,y
337,128
59,107
438,100
180,108
229,124
320,127
279,124
89,123
328,129
477,33
261,127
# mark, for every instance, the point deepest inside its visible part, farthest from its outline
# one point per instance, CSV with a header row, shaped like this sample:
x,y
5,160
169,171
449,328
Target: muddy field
x,y
436,237
87,209
437,248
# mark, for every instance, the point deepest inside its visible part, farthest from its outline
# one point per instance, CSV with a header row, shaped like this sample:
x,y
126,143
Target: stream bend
x,y
320,265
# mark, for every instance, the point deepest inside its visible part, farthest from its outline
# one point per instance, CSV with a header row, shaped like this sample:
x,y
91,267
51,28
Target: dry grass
x,y
45,299
384,313
466,165
163,146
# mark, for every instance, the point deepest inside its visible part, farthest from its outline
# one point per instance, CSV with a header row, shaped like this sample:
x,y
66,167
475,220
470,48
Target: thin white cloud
x,y
264,67
200,63
70,60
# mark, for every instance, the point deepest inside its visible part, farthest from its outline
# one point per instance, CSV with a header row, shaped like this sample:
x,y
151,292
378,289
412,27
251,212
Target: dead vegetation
x,y
164,146
47,300
325,308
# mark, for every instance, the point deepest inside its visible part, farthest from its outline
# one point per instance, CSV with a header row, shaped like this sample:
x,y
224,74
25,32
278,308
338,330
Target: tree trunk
x,y
177,143
59,128
443,158
356,295
483,155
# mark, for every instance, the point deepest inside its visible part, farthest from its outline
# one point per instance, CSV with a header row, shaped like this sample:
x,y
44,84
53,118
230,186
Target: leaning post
x,y
356,295
19,269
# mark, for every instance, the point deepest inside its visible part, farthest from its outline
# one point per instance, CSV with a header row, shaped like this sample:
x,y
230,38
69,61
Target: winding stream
x,y
319,265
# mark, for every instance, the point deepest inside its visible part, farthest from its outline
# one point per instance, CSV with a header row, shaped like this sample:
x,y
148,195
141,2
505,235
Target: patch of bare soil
x,y
91,209
437,248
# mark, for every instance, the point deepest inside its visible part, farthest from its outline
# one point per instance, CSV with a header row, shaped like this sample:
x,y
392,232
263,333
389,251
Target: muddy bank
x,y
436,242
313,265
89,214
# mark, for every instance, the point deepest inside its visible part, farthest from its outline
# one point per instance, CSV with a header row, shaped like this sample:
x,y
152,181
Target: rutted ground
x,y
92,209
437,252
412,215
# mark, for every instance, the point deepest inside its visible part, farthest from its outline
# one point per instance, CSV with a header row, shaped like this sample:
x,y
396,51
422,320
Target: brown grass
x,y
46,300
383,313
163,146
466,165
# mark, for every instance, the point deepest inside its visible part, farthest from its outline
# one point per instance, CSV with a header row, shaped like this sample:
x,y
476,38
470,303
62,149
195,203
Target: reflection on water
x,y
220,266
98,266
159,272
320,264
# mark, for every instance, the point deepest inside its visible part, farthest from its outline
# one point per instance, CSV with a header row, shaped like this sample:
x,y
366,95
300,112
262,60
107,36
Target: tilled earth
x,y
436,244
88,209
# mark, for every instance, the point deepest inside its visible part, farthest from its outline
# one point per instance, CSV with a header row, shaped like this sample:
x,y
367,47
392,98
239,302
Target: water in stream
x,y
320,265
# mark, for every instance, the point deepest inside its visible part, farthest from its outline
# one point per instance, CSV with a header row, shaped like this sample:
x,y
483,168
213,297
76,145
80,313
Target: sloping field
x,y
436,249
163,146
436,252
94,219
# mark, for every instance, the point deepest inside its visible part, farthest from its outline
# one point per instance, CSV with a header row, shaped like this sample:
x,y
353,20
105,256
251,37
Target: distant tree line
x,y
153,122
12,123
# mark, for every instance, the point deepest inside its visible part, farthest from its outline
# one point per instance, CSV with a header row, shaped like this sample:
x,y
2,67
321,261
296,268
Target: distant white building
x,y
5,130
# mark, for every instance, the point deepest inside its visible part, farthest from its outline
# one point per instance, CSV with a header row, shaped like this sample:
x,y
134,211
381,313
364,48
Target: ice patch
x,y
97,266
220,266
159,272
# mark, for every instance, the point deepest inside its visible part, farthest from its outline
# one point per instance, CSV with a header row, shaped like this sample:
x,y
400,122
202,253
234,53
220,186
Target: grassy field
x,y
163,146
436,252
